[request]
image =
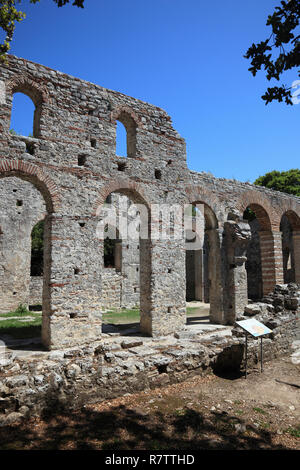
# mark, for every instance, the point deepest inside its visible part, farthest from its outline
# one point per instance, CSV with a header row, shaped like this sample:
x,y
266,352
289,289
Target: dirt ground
x,y
211,412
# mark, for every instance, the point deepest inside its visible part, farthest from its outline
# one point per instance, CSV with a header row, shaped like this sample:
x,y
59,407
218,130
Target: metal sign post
x,y
261,354
256,329
246,352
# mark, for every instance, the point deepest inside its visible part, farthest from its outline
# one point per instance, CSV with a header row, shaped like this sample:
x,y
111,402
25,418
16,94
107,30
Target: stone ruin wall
x,y
117,365
72,165
75,167
72,162
35,291
120,288
21,207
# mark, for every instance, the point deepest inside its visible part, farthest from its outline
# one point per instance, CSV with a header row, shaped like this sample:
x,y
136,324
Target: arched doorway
x,y
260,264
23,201
126,258
203,262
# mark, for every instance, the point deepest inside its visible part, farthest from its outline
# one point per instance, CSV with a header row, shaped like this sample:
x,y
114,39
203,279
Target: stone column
x,y
21,206
163,287
271,260
118,255
73,266
145,287
15,259
206,279
216,311
296,243
199,275
15,256
237,235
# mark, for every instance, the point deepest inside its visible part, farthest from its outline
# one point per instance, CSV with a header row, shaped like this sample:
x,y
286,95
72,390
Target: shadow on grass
x,y
22,332
122,428
197,320
124,329
25,338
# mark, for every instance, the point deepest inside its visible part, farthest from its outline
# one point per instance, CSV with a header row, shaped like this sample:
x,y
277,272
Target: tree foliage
x,y
280,52
37,249
10,15
109,252
284,181
249,215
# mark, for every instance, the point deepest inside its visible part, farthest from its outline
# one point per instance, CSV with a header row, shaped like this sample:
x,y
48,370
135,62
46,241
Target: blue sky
x,y
186,57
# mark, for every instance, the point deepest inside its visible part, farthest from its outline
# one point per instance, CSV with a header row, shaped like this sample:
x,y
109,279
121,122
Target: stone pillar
x,y
15,257
73,264
271,260
216,311
118,255
163,287
237,235
296,243
206,280
145,287
21,206
199,275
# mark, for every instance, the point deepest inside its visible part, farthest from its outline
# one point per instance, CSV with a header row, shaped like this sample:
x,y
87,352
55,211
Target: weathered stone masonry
x,y
21,207
45,381
72,162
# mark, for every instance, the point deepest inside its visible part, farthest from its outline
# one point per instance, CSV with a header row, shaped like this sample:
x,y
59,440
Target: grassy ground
x,y
20,329
132,316
14,324
208,412
123,316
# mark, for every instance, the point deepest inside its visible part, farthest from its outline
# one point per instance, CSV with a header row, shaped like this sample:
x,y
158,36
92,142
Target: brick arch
x,y
291,208
125,186
131,122
36,176
211,200
36,91
212,273
293,218
261,215
266,214
123,113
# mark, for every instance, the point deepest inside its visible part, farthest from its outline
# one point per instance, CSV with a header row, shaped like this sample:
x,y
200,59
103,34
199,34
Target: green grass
x,y
295,432
180,412
265,425
260,410
19,329
117,317
191,310
14,314
122,316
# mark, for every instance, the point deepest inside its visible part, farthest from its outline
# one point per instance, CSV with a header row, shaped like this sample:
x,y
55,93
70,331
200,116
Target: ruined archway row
x,y
256,261
73,164
227,232
227,235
